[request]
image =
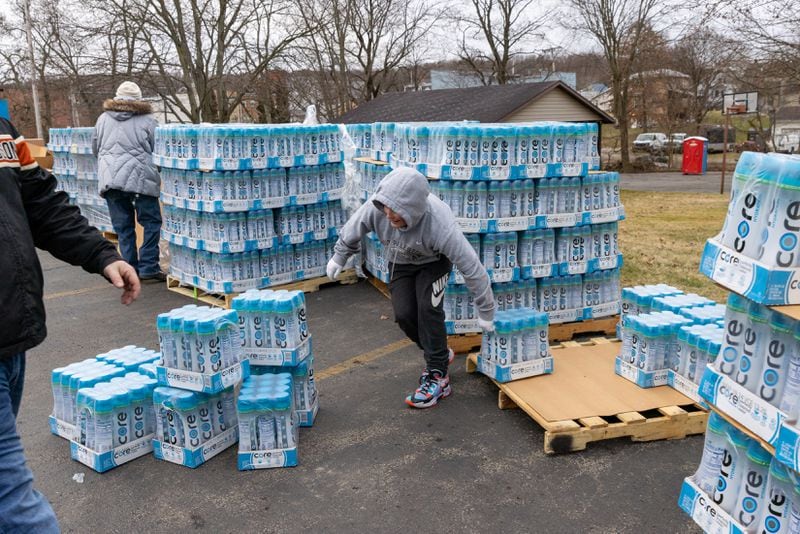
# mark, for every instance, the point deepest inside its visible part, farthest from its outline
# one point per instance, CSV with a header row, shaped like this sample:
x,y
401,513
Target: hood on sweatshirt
x,y
405,191
123,110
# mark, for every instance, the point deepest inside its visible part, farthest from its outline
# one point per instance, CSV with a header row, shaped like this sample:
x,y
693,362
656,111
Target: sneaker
x,y
432,387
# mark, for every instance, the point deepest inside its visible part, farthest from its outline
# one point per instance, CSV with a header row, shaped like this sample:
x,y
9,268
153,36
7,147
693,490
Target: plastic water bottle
x,y
732,468
778,493
713,451
783,225
736,322
790,400
779,348
756,338
750,499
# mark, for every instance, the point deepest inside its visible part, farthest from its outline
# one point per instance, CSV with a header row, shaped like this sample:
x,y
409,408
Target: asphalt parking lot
x,y
369,463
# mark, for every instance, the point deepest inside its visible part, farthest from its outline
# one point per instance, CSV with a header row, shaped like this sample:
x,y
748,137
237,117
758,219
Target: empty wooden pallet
x,y
663,413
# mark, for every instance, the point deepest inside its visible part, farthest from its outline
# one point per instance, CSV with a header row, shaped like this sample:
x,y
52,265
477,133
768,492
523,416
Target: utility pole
x,y
26,7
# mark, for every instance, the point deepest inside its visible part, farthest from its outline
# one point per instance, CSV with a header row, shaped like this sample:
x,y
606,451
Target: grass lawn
x,y
662,239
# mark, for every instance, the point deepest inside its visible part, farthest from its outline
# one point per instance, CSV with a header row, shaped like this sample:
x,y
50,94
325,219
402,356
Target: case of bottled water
x,y
200,349
115,421
193,427
518,348
268,422
75,168
739,486
273,327
757,253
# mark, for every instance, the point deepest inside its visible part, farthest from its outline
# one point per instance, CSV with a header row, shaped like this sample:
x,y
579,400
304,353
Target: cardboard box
x,y
246,461
193,457
750,278
515,371
288,357
103,461
643,379
205,383
683,385
746,408
61,428
705,512
40,152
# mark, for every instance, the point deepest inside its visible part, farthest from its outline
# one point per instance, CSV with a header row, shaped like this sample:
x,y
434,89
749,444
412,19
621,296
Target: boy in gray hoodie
x,y
422,243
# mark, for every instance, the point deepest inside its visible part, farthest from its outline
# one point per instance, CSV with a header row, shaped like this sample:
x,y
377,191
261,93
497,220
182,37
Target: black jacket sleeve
x,y
57,226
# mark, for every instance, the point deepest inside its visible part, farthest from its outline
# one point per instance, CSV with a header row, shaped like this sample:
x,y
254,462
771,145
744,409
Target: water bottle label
x,y
560,220
536,171
733,270
230,164
499,172
470,226
608,263
512,224
604,215
460,172
571,169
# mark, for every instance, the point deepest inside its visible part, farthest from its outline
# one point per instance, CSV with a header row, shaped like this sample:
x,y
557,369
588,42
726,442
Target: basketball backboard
x,y
736,103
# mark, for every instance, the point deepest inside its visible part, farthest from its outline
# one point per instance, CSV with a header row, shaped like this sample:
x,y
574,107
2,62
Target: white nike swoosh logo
x,y
438,290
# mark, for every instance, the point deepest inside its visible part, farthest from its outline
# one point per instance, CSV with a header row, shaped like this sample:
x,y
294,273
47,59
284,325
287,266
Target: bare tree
x,y
772,30
705,56
385,34
493,33
618,27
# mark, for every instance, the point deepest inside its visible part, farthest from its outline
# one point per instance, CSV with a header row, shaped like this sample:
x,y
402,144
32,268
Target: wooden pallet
x,y
671,421
224,301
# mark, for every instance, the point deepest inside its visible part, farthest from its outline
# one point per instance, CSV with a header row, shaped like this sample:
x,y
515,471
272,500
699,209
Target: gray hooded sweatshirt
x,y
431,230
123,143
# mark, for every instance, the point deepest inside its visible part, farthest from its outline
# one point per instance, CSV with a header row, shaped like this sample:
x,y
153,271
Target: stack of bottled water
x,y
697,345
649,340
267,213
104,406
115,413
275,338
760,351
495,150
188,420
197,339
742,483
518,347
245,146
549,234
271,320
268,426
75,167
763,214
638,299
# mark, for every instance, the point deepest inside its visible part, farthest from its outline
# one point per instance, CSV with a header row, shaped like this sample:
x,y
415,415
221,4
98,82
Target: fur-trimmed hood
x,y
124,109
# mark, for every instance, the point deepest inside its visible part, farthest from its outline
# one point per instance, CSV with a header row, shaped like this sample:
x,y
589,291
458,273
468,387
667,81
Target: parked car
x,y
650,142
675,142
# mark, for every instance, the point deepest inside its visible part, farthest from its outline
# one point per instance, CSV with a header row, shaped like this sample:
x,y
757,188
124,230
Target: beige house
x,y
526,102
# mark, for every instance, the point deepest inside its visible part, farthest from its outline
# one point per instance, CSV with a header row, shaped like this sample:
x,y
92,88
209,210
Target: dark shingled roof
x,y
485,104
788,113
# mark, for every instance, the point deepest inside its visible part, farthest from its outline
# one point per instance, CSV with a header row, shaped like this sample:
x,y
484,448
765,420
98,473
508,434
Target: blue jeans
x,y
22,508
122,206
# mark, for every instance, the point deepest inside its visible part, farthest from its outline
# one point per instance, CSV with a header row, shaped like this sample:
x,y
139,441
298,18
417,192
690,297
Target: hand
x,y
333,270
124,277
486,326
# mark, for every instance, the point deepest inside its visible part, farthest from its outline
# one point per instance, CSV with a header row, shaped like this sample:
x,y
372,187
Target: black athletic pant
x,y
418,302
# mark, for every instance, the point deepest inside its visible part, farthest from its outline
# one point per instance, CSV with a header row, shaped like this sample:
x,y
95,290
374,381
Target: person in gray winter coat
x,y
422,243
129,181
